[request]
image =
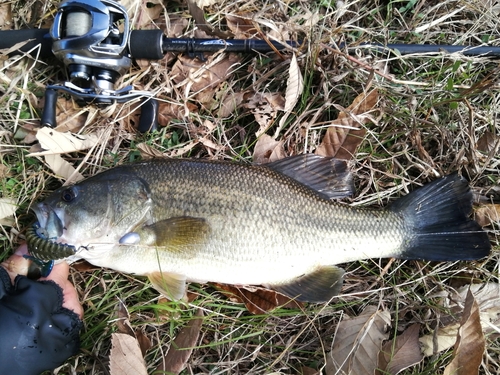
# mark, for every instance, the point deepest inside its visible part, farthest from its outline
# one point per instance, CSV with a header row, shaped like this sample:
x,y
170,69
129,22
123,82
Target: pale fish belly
x,y
257,252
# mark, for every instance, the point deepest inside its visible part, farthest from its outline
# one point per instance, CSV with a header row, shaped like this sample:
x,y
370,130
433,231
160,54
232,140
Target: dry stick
x,y
382,273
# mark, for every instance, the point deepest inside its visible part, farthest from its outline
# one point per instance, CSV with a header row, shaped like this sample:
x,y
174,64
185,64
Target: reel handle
x,y
49,108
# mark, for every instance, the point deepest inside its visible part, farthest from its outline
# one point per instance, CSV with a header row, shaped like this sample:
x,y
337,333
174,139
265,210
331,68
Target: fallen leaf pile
x,y
359,347
129,347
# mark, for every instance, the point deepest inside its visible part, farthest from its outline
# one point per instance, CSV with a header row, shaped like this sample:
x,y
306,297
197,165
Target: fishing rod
x,y
94,41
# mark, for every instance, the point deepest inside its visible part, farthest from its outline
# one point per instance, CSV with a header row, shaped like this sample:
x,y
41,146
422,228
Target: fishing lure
x,y
43,251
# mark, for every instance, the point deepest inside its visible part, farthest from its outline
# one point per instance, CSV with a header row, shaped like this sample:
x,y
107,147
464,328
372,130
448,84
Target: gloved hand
x,y
40,321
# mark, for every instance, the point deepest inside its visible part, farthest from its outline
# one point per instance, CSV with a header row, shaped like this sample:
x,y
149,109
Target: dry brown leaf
x,y
416,140
176,25
265,107
5,15
54,142
258,300
126,357
62,168
267,150
199,17
358,342
401,352
488,297
470,345
346,133
8,207
294,88
436,342
202,77
230,104
149,152
294,85
487,214
488,142
143,14
123,322
182,347
168,111
241,27
144,342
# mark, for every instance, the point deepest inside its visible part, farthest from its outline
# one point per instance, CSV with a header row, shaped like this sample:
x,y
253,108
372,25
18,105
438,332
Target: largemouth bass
x,y
179,220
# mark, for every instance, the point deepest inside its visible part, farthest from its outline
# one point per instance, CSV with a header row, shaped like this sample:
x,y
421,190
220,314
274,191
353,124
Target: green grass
x,y
436,103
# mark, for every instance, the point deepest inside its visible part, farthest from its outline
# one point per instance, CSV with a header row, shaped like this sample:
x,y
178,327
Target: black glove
x,y
36,332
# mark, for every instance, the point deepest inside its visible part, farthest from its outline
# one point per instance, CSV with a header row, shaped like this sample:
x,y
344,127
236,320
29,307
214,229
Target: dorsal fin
x,y
329,177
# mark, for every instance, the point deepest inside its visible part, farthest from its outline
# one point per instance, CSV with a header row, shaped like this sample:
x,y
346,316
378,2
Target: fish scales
x,y
259,217
179,220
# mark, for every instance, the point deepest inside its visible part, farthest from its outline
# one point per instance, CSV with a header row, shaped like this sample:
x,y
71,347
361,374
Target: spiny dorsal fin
x,y
329,177
318,286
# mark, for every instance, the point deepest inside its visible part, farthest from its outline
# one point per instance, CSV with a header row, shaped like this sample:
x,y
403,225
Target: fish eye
x,y
69,194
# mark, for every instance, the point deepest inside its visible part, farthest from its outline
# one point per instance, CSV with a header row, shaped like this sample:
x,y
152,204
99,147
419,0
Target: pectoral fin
x,y
175,234
318,286
170,285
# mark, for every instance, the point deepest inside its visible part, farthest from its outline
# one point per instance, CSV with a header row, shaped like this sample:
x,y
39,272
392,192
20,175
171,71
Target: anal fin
x,y
318,286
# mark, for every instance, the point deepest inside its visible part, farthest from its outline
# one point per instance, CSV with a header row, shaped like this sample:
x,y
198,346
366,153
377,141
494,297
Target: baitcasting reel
x,y
91,38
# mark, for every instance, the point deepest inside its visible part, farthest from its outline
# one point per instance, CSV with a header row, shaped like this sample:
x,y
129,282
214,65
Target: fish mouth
x,y
50,224
43,235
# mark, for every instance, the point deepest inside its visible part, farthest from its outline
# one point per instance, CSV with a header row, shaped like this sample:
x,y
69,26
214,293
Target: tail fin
x,y
438,222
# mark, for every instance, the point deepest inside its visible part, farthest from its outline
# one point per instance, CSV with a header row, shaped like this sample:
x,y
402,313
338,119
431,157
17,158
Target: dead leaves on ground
x,y
127,355
358,346
401,352
200,79
53,143
8,207
360,343
487,297
258,300
357,343
266,106
182,347
487,214
129,346
469,347
347,132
